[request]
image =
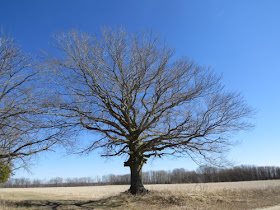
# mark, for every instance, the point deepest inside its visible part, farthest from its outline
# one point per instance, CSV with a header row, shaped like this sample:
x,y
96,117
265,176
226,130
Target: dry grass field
x,y
228,195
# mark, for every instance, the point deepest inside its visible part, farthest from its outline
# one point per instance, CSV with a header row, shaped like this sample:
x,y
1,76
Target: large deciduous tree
x,y
142,100
25,129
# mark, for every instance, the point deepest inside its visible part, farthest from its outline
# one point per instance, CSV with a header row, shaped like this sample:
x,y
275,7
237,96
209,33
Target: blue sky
x,y
238,38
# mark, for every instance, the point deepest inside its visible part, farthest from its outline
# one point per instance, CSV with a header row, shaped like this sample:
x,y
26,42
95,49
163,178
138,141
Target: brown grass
x,y
238,195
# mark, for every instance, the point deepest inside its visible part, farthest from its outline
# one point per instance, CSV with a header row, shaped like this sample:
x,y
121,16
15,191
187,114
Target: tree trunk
x,y
136,179
135,163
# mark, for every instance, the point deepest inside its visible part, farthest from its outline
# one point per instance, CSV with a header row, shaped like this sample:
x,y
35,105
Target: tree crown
x,y
141,100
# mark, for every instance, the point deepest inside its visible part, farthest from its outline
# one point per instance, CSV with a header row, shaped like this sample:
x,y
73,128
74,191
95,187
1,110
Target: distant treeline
x,y
202,174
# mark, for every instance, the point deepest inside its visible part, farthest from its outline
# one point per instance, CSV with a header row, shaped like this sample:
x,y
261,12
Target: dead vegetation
x,y
261,194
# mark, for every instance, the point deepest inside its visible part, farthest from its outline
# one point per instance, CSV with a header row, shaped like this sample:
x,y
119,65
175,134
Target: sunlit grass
x,y
228,195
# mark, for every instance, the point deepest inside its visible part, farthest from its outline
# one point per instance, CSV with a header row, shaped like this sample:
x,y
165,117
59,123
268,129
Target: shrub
x,y
5,172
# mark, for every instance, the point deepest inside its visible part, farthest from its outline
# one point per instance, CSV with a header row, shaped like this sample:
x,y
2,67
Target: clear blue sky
x,y
238,38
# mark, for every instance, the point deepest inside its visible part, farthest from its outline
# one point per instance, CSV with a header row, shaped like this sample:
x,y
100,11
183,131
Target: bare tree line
x,y
201,175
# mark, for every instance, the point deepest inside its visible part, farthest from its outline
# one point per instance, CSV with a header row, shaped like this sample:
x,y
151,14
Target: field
x,y
228,195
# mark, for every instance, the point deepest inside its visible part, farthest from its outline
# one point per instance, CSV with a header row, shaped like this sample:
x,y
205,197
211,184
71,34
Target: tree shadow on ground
x,y
107,203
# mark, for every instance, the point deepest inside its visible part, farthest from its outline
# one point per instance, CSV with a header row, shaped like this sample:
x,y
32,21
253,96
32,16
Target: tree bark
x,y
135,163
136,179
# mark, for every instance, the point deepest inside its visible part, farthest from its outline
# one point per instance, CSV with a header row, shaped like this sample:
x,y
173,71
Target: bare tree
x,y
24,128
141,100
